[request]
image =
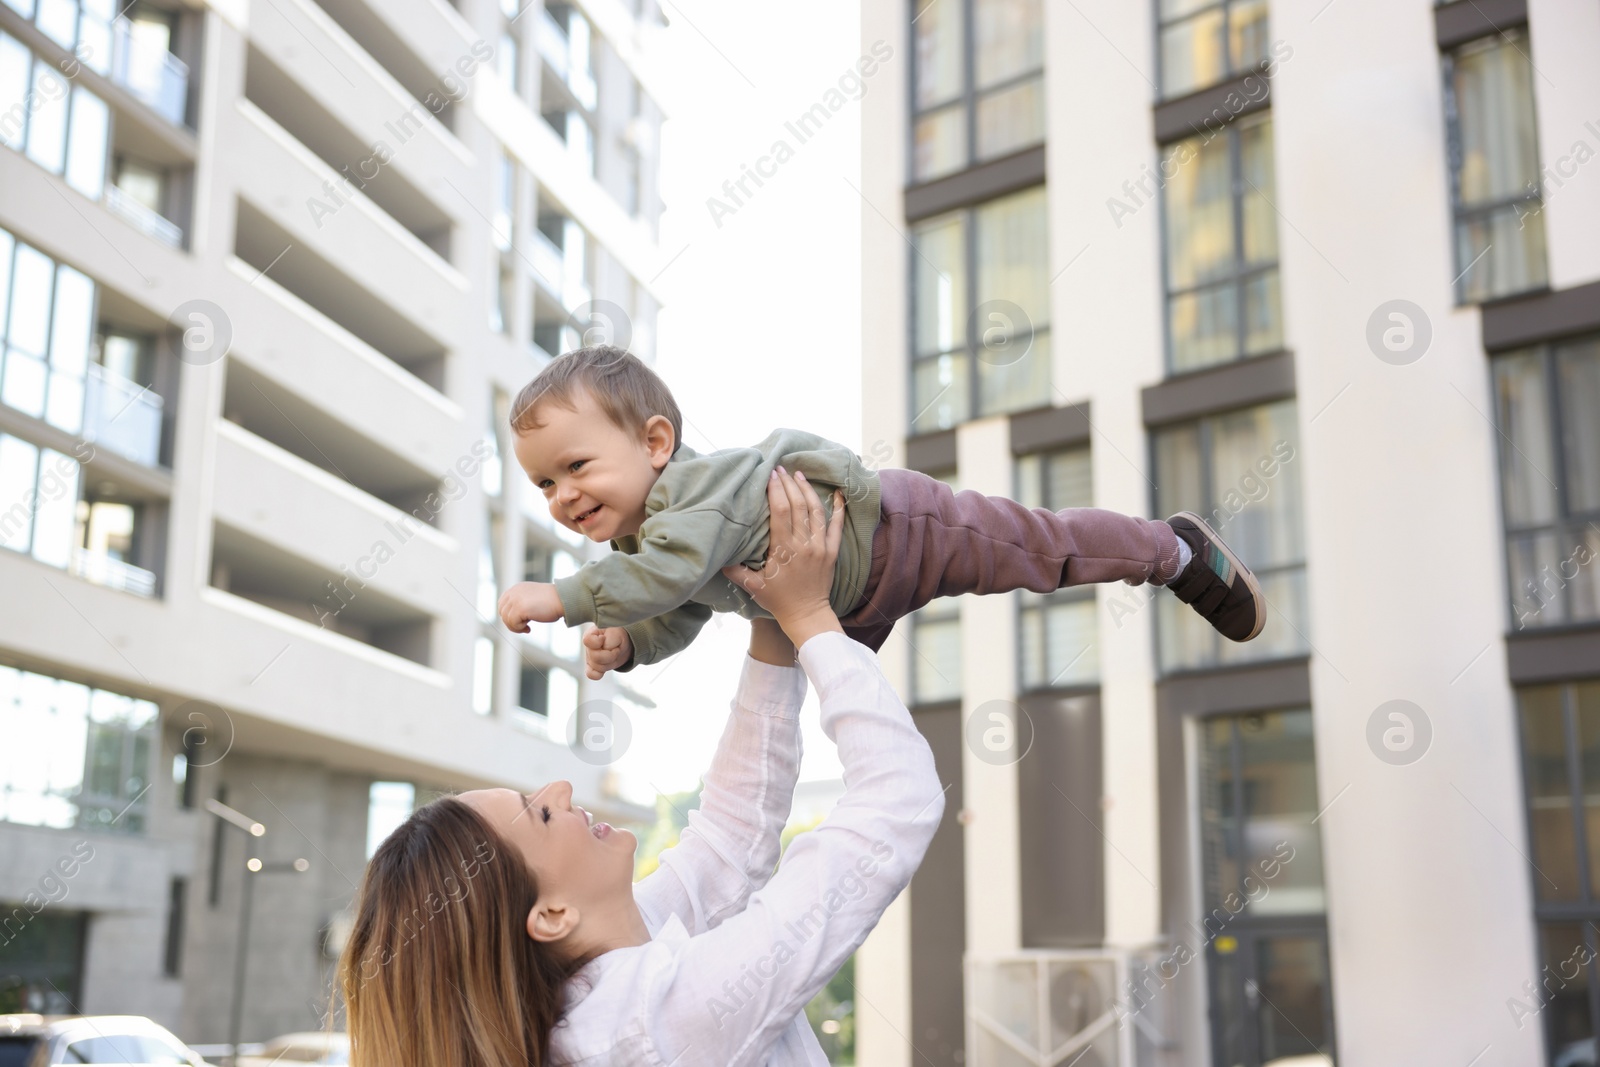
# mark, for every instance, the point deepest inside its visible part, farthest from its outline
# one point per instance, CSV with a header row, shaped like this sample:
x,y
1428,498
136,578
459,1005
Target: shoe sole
x,y
1238,566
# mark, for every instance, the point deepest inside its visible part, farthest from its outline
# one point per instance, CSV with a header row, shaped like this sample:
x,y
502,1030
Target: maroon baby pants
x,y
934,542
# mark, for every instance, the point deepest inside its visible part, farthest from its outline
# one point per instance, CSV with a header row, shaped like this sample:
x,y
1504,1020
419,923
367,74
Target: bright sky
x,y
761,326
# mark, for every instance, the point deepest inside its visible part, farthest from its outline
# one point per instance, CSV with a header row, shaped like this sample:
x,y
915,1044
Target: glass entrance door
x,y
1265,907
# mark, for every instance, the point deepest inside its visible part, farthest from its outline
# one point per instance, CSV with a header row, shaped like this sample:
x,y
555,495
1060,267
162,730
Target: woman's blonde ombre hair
x,y
440,970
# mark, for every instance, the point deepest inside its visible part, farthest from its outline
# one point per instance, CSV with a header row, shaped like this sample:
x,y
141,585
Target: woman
x,y
496,929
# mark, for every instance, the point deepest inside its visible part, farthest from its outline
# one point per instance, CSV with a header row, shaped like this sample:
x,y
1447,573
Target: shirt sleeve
x,y
736,988
680,550
657,638
731,844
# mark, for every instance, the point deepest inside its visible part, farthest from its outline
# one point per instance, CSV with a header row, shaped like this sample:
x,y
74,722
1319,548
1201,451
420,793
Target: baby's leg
x,y
933,542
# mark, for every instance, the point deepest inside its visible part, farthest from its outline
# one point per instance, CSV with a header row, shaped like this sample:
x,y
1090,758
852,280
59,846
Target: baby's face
x,y
594,475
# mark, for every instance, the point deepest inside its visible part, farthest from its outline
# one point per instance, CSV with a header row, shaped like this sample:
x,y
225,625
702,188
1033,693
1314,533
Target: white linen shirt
x,y
736,950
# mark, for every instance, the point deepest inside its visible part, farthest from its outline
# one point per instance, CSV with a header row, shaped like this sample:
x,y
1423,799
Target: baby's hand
x,y
606,650
528,602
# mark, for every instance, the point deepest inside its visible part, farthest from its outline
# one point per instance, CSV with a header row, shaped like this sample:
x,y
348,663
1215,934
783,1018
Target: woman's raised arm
x,y
731,845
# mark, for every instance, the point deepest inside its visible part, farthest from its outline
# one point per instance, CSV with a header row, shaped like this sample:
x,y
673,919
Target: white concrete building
x,y
1330,274
269,275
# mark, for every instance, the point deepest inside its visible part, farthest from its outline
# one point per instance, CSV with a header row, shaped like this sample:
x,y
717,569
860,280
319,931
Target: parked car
x,y
311,1046
41,1040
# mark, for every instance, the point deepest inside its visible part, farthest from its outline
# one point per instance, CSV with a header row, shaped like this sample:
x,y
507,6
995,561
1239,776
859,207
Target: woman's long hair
x,y
440,970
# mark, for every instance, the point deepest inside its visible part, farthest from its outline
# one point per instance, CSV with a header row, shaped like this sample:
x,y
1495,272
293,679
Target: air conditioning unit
x,y
1062,1008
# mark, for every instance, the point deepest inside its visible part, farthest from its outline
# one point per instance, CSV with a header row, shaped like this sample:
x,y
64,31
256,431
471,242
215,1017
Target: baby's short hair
x,y
626,390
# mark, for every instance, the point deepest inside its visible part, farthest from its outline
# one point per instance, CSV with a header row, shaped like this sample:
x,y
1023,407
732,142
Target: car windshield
x,y
17,1051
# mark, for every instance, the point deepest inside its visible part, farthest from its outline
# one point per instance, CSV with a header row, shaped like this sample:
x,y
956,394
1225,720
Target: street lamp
x,y
253,865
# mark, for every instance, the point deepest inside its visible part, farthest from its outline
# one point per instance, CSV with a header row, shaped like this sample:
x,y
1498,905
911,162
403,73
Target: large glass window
x,y
39,491
1262,888
1561,771
1057,632
75,756
979,102
981,334
1547,403
1241,473
1204,42
64,128
1494,172
1222,247
47,335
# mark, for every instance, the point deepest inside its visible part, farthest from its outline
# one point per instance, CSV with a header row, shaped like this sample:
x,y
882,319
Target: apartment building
x,y
270,274
1328,274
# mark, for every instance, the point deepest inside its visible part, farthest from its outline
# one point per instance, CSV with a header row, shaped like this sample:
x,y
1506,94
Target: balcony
x,y
150,223
134,53
142,64
566,55
113,573
122,416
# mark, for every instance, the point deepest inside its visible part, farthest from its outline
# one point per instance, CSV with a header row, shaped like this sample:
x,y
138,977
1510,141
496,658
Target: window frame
x,y
133,815
971,345
967,99
1208,505
1586,911
1454,156
1548,356
1230,72
1041,603
1238,275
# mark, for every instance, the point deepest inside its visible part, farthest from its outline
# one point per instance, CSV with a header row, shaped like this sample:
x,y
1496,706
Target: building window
x,y
981,336
1547,402
503,231
980,101
74,756
1204,42
41,962
483,675
1057,632
48,334
935,637
1494,168
1561,769
494,467
1241,473
388,805
1264,905
1223,301
39,488
172,956
64,128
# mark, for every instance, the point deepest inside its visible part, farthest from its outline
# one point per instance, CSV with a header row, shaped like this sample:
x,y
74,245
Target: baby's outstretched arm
x,y
528,602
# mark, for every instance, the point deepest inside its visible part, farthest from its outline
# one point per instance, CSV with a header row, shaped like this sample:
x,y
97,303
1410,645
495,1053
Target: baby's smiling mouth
x,y
587,515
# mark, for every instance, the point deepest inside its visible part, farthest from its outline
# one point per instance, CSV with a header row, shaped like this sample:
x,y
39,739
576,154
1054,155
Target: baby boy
x,y
599,433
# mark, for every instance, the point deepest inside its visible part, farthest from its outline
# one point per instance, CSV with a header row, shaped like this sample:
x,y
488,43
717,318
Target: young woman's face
x,y
572,856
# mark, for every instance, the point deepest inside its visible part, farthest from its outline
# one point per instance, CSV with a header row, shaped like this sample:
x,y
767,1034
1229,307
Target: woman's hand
x,y
802,549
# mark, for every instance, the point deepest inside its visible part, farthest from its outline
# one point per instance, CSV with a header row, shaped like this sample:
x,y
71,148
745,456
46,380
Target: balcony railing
x,y
150,73
121,416
112,573
141,218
